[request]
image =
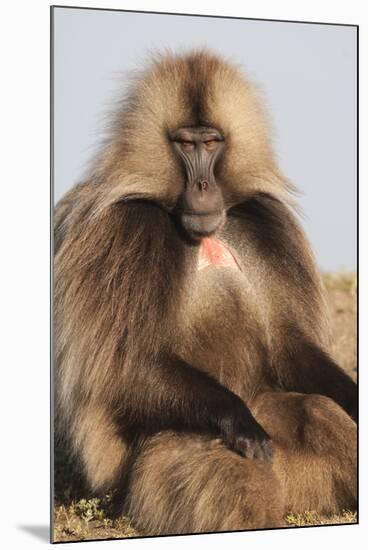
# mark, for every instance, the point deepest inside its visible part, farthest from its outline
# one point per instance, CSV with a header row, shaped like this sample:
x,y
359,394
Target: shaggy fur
x,y
152,353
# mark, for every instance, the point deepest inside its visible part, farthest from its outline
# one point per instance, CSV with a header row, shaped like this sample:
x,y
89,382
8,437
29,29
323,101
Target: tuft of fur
x,y
143,339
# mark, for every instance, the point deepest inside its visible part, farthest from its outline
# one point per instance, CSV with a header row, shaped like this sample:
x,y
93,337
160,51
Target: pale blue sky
x,y
306,72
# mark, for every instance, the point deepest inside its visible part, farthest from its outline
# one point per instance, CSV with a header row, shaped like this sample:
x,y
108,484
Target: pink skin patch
x,y
214,252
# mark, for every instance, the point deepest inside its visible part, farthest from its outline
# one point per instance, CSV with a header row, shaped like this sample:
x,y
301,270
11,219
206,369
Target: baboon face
x,y
200,208
192,138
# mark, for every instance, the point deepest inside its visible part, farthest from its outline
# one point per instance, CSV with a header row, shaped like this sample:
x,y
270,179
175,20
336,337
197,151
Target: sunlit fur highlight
x,y
128,296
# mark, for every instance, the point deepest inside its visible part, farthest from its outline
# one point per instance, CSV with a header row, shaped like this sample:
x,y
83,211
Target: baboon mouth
x,y
200,225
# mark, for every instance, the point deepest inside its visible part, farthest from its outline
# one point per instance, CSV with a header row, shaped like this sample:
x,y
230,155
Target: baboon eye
x,y
211,144
187,145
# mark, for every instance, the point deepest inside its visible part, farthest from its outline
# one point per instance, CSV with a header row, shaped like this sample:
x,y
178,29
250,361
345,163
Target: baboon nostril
x,y
203,185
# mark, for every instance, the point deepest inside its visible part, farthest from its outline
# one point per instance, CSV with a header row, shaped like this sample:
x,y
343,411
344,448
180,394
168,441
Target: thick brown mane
x,y
184,381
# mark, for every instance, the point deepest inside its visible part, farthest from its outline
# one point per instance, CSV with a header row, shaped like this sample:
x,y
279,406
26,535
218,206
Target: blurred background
x,y
306,74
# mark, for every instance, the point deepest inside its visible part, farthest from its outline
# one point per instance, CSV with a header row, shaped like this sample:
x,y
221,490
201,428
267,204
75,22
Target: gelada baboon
x,y
192,363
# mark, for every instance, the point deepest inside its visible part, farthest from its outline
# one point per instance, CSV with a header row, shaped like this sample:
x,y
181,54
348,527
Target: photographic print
x,y
204,299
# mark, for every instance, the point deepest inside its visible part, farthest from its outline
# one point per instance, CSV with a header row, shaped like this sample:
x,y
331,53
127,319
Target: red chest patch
x,y
214,252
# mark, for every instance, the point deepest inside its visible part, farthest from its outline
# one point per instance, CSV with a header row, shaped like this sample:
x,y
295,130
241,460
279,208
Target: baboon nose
x,y
202,184
202,197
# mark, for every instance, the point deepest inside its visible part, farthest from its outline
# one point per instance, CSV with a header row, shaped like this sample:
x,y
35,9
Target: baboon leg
x,y
100,446
315,448
186,483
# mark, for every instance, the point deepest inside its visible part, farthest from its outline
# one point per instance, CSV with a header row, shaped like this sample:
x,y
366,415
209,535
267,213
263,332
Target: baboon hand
x,y
242,434
251,445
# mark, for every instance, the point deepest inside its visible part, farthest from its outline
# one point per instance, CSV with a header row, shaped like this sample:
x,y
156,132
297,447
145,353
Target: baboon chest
x,y
221,323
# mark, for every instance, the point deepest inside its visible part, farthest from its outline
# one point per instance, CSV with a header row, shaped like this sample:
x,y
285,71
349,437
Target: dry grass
x,y
312,518
343,309
345,281
80,516
86,520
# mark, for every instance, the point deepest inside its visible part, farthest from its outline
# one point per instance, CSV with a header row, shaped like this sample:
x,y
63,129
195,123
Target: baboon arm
x,y
174,395
308,369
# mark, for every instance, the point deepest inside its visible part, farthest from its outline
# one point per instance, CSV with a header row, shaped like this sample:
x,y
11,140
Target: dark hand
x,y
241,432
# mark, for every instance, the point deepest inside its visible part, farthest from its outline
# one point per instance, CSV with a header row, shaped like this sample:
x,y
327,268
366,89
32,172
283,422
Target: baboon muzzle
x,y
201,204
202,208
